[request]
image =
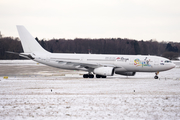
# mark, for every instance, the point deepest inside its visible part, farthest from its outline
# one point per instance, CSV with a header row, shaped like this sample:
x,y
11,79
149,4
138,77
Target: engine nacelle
x,y
105,71
126,73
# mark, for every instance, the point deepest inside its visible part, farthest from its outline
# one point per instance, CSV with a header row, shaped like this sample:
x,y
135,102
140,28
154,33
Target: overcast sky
x,y
134,19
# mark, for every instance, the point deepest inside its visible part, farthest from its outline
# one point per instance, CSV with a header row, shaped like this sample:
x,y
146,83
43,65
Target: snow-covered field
x,y
35,91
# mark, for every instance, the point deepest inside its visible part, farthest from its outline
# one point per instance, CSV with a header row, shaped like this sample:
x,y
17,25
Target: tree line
x,y
169,50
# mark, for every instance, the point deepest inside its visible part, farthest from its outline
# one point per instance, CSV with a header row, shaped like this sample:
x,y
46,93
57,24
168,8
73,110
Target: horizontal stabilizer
x,y
12,52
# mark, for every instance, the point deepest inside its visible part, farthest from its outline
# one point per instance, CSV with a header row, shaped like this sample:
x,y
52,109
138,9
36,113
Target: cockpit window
x,y
167,61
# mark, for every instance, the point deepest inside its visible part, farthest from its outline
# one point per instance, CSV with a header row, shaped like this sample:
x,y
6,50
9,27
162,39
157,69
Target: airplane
x,y
100,65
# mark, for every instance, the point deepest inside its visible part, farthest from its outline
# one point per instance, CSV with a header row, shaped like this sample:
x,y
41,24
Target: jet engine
x,y
126,73
105,71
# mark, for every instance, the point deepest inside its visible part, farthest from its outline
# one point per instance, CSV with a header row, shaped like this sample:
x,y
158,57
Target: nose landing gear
x,y
156,75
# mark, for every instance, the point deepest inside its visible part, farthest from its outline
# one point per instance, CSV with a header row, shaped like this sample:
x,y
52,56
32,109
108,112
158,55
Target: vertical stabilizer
x,y
29,44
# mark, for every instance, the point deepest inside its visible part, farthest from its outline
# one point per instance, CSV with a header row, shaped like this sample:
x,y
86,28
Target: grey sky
x,y
134,19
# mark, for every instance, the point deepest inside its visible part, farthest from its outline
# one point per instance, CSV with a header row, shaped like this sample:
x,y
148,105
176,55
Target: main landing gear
x,y
156,76
100,76
88,76
92,76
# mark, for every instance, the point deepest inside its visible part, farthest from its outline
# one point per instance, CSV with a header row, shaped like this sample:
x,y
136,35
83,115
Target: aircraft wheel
x,y
91,76
98,76
88,76
85,76
155,77
103,76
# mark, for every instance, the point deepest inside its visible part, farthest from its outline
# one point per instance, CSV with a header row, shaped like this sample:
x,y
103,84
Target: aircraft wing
x,y
81,64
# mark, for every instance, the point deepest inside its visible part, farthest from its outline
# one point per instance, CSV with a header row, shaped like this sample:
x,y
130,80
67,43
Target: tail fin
x,y
29,44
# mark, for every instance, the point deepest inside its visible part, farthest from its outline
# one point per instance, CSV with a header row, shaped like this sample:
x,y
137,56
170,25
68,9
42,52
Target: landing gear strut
x,y
156,76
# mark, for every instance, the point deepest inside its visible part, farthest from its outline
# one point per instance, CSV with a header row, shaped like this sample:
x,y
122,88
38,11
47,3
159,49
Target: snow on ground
x,y
17,62
27,94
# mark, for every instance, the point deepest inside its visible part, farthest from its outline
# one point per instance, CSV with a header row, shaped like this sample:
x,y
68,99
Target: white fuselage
x,y
125,63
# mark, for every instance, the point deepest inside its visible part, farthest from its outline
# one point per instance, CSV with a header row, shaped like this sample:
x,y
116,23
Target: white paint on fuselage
x,y
128,63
